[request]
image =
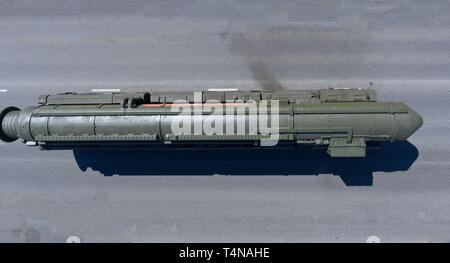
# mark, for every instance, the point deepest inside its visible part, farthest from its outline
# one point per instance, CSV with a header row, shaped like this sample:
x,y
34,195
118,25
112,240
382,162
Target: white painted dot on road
x,y
3,90
105,90
373,239
73,239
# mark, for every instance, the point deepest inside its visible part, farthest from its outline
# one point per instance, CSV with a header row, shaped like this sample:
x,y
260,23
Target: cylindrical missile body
x,y
299,118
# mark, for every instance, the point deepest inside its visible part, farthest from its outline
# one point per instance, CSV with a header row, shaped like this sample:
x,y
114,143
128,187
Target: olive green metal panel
x,y
329,95
340,147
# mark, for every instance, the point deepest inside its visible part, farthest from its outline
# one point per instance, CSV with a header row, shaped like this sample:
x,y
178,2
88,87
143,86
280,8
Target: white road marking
x,y
3,90
224,89
105,90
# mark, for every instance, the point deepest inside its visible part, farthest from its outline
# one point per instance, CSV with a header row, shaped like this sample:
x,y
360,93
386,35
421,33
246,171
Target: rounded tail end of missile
x,y
8,117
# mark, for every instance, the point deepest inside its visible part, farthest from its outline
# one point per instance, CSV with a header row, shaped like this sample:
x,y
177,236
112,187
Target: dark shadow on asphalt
x,y
390,157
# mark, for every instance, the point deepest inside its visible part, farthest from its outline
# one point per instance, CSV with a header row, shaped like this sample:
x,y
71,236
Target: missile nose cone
x,y
408,123
412,123
416,121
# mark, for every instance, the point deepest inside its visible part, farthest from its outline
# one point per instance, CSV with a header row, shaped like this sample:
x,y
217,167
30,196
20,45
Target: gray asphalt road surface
x,y
399,48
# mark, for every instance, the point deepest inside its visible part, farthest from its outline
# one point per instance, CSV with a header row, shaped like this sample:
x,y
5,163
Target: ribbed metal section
x,y
9,124
74,138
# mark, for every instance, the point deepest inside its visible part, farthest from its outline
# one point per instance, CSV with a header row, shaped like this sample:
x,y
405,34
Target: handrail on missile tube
x,y
123,103
131,103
